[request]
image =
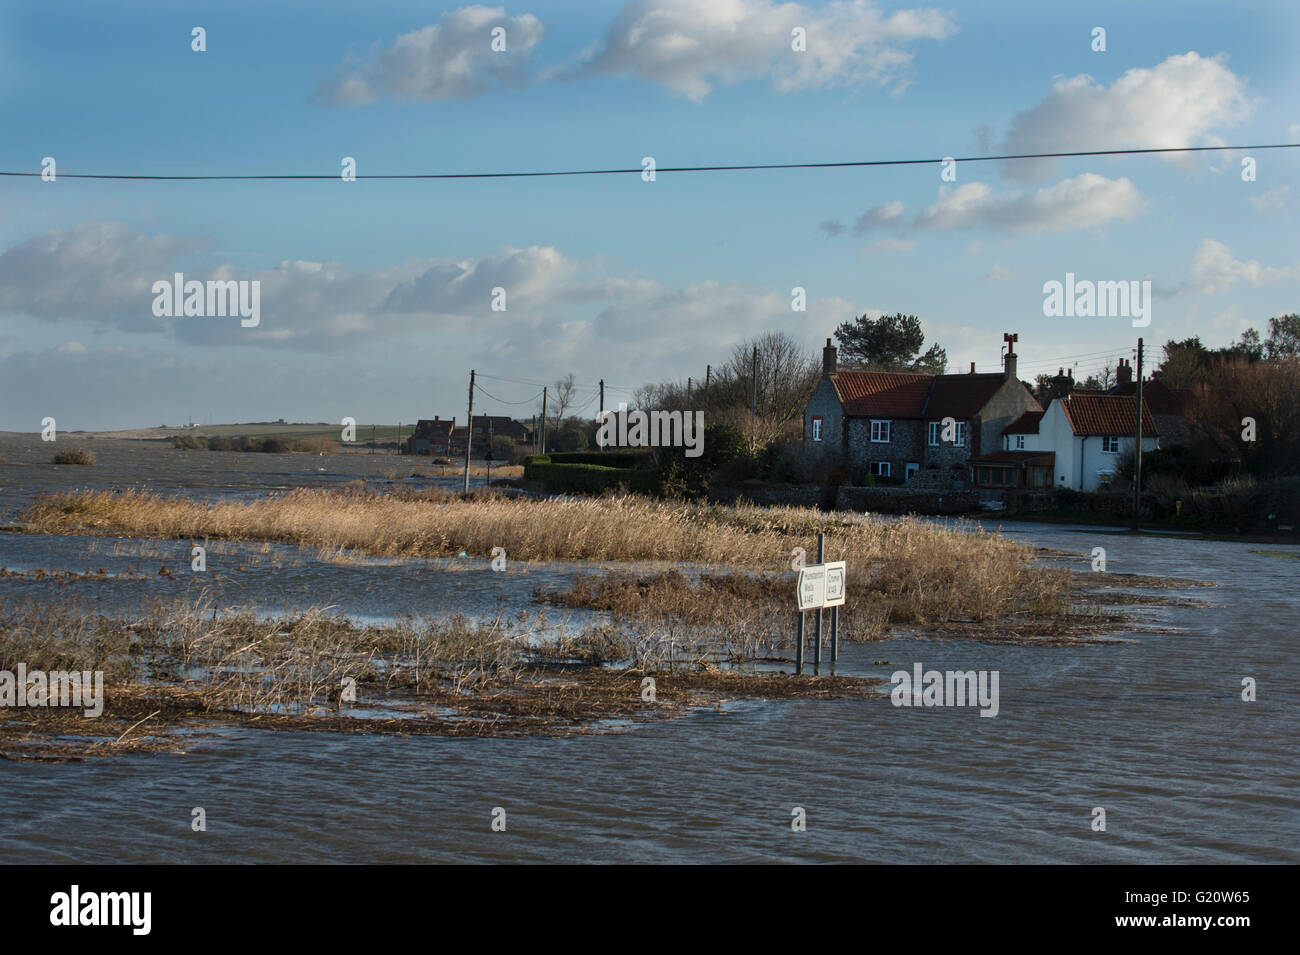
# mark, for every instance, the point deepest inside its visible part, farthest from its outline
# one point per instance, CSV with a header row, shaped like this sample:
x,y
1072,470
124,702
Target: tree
x,y
786,378
563,393
889,343
1283,337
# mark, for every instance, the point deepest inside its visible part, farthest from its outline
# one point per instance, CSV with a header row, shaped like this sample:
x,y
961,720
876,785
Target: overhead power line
x,y
738,167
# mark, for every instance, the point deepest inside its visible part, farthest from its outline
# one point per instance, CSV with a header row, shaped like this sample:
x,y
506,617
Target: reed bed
x,y
612,528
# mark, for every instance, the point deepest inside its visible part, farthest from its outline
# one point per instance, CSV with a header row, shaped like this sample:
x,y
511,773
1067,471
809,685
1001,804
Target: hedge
x,y
588,478
604,459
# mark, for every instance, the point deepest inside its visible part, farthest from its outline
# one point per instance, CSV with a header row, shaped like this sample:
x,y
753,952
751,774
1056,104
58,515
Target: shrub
x,y
75,456
189,442
320,445
589,478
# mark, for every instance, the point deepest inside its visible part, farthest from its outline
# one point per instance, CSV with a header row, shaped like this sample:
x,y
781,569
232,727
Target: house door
x,y
910,468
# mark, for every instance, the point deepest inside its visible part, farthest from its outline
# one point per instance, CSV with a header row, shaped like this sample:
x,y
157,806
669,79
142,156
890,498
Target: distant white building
x,y
1088,435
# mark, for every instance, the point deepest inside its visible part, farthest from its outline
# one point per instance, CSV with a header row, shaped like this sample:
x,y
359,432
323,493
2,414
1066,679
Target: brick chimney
x,y
828,359
1124,374
1063,384
1009,359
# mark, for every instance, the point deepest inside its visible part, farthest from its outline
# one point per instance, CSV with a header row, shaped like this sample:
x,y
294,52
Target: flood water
x,y
1153,729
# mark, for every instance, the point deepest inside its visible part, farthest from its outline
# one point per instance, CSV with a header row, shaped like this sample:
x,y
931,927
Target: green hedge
x,y
604,459
588,478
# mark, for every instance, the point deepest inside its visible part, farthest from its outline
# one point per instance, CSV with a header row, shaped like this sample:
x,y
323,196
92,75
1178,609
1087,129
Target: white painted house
x,y
1087,434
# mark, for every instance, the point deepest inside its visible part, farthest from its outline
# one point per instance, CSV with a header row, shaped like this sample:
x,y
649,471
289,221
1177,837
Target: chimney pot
x,y
972,368
828,359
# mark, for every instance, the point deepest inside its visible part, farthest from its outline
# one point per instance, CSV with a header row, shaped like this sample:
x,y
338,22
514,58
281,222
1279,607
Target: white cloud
x,y
453,59
1274,200
1214,269
889,245
691,47
999,273
1176,103
1083,202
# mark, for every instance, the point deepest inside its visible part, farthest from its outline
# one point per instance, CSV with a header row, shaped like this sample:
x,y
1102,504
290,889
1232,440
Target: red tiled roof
x,y
1106,415
884,394
961,396
1027,423
897,394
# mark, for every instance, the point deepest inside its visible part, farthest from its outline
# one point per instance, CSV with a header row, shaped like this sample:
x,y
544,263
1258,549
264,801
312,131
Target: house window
x,y
1020,442
880,468
1110,444
879,431
817,428
935,433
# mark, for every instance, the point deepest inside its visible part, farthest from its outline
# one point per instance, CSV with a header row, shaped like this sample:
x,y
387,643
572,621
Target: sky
x,y
376,296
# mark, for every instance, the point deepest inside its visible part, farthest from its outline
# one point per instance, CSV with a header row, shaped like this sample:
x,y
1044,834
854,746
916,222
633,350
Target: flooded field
x,y
1151,727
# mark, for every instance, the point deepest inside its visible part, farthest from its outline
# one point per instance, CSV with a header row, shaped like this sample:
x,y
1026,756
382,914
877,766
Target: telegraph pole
x,y
1137,445
688,389
753,397
542,449
469,429
602,399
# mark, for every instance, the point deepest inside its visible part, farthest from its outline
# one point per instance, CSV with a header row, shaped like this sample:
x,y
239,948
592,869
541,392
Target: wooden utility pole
x,y
1137,445
542,449
688,389
602,399
469,429
753,397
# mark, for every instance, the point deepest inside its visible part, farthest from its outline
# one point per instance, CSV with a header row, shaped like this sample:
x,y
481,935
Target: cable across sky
x,y
850,164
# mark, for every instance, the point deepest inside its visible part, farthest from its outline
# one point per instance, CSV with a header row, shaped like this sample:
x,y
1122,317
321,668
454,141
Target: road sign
x,y
812,587
835,572
821,585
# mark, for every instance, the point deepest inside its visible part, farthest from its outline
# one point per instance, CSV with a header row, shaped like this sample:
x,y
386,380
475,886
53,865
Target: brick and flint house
x,y
432,436
442,436
893,424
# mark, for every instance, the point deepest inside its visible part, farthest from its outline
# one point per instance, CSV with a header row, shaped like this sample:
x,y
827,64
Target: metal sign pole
x,y
798,646
835,634
817,633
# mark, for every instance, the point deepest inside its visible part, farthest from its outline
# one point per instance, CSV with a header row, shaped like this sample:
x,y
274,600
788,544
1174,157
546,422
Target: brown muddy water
x,y
1152,728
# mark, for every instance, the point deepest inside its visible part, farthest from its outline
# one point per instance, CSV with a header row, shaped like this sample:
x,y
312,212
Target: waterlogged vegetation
x,y
717,626
179,666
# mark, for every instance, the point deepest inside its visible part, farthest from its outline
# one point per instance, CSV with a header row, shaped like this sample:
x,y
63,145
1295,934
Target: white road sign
x,y
821,585
835,572
812,587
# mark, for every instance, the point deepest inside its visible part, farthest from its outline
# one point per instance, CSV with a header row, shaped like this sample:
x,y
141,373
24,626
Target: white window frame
x,y
816,427
934,437
1106,444
1020,442
881,469
886,428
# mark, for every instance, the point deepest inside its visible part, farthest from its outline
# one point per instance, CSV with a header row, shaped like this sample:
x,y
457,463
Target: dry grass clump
x,y
750,615
611,528
74,455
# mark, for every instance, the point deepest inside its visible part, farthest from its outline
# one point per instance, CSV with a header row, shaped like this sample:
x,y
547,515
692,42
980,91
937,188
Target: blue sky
x,y
376,295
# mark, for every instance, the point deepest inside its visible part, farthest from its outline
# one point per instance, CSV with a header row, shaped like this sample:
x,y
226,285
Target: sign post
x,y
820,585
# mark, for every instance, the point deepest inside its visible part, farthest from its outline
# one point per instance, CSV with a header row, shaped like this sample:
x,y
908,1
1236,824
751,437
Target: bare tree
x,y
563,393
